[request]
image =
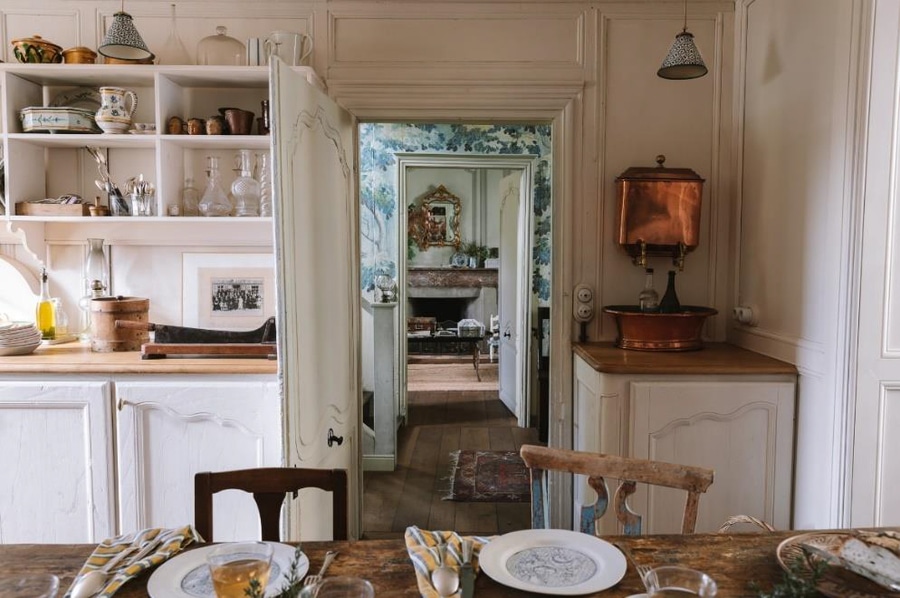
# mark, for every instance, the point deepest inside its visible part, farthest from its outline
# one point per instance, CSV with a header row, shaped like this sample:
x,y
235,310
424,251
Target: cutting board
x,y
162,350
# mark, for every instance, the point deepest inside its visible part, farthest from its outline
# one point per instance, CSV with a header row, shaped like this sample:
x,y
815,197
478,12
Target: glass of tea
x,y
679,581
343,587
233,567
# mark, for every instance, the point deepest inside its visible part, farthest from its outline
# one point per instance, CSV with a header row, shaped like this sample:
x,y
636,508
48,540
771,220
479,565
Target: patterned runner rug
x,y
488,476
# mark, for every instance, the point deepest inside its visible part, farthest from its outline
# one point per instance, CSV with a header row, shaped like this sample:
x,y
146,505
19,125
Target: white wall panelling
x,y
873,407
782,172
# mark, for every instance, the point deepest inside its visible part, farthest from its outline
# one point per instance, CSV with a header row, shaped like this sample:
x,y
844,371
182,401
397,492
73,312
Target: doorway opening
x,y
498,182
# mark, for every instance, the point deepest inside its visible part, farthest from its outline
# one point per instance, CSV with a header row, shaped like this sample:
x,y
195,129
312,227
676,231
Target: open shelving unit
x,y
42,165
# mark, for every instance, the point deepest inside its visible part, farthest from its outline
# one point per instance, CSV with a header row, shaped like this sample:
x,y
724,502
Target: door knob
x,y
507,334
332,439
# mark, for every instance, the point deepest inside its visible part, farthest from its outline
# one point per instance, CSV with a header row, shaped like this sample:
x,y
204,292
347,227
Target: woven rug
x,y
488,476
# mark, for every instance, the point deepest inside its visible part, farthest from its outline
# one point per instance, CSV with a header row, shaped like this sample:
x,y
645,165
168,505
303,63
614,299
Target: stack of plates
x,y
19,338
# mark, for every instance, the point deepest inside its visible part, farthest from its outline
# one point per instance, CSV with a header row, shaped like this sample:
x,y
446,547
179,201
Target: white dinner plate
x,y
553,561
186,575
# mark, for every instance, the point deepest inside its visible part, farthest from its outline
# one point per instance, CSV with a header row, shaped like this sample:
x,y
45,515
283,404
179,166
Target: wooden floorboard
x,y
439,423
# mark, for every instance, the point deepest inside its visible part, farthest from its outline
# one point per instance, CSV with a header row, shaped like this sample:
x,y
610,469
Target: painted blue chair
x,y
541,460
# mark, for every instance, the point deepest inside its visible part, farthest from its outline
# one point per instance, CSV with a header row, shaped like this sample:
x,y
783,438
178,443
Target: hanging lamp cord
x,y
685,16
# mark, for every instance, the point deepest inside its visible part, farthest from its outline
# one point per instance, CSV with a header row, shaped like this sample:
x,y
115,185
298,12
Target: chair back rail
x,y
269,487
597,467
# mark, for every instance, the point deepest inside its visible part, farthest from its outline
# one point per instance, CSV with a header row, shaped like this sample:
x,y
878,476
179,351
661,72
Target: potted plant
x,y
476,253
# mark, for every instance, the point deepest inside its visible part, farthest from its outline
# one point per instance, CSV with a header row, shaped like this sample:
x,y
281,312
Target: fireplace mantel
x,y
459,278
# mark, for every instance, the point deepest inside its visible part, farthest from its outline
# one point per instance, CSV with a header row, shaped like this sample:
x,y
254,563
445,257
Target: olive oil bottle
x,y
45,316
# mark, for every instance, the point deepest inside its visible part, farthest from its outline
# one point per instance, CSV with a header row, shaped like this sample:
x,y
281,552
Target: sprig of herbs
x,y
291,586
799,581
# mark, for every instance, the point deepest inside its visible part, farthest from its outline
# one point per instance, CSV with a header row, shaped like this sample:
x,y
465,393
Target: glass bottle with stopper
x,y
669,303
648,299
45,317
214,201
245,188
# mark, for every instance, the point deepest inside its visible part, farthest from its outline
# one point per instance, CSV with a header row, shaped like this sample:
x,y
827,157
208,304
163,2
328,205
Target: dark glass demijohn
x,y
669,303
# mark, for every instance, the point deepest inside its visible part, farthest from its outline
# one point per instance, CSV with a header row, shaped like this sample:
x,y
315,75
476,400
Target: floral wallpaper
x,y
378,174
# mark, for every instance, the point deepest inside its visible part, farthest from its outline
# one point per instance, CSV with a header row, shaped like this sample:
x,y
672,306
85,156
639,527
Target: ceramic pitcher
x,y
116,107
292,48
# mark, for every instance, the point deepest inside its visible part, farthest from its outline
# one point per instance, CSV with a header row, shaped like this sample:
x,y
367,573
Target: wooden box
x,y
51,209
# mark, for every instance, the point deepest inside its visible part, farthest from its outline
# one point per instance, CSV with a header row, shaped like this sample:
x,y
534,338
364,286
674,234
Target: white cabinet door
x,y
56,459
742,430
170,430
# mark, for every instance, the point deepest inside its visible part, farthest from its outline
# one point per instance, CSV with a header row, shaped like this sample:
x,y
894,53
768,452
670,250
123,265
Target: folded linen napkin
x,y
162,543
422,546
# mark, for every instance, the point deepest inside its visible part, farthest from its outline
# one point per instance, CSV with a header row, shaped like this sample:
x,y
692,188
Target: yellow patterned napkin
x,y
422,546
162,543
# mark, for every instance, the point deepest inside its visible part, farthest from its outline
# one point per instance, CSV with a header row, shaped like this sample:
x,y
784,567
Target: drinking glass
x,y
233,566
679,581
343,587
29,586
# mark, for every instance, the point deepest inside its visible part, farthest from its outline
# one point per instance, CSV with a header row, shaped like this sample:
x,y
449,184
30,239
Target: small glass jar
x,y
221,49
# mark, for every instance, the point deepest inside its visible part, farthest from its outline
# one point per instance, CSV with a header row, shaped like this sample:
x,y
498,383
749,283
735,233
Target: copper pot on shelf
x,y
79,55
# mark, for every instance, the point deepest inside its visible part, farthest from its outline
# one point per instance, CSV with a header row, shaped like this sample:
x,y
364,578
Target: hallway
x,y
442,421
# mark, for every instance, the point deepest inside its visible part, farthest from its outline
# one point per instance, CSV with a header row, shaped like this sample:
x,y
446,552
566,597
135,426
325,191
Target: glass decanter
x,y
174,51
214,201
264,176
245,188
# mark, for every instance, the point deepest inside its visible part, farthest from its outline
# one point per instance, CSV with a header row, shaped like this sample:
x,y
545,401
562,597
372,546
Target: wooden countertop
x,y
713,358
77,358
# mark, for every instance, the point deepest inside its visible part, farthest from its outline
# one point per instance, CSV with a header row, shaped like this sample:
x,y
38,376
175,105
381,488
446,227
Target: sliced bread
x,y
875,555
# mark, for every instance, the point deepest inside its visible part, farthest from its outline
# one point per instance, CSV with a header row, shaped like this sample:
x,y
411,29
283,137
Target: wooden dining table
x,y
734,560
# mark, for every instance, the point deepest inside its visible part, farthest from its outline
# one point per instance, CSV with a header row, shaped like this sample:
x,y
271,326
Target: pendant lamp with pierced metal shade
x,y
122,40
683,60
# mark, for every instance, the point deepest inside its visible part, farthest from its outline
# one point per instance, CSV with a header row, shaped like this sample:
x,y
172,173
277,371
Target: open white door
x,y
513,296
317,275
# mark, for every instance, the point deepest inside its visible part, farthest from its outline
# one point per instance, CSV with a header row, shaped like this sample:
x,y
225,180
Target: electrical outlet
x,y
583,308
747,315
584,293
584,312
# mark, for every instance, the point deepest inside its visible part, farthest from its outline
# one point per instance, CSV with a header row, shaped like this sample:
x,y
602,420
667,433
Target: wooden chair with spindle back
x,y
541,460
270,486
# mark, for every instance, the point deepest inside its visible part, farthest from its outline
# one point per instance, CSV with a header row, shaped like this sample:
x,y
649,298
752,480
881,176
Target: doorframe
x,y
559,103
525,163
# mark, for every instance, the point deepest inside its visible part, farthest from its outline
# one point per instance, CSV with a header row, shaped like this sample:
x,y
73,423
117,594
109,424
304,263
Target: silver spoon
x,y
92,582
445,579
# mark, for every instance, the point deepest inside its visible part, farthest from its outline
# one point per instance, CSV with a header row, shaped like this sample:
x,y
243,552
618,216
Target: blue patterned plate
x,y
553,561
186,575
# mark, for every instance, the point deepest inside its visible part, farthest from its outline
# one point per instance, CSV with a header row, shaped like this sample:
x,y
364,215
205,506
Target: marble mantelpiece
x,y
447,282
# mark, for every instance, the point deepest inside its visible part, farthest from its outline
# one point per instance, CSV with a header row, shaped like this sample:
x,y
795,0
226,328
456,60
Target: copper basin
x,y
642,331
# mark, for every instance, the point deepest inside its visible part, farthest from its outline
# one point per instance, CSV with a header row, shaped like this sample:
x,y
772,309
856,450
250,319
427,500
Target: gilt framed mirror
x,y
434,222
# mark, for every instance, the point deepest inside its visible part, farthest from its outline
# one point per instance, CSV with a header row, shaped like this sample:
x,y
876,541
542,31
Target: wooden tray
x,y
161,350
52,209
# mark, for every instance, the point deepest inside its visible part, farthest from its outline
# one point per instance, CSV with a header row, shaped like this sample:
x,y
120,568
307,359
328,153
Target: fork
x,y
312,580
642,570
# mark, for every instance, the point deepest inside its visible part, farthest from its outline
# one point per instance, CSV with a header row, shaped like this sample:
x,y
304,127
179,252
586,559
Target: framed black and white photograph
x,y
234,291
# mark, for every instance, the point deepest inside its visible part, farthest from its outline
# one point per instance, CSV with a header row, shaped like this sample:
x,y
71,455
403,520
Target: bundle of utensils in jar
x,y
142,194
